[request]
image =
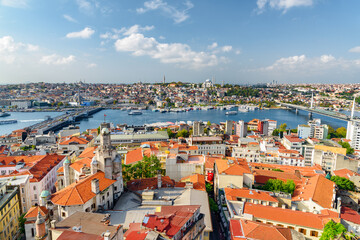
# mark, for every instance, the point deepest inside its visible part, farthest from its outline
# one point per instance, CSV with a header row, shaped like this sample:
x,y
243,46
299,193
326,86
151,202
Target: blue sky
x,y
125,41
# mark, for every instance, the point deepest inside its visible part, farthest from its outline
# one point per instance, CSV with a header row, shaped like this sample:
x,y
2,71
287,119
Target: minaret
x,y
40,228
352,109
312,101
66,166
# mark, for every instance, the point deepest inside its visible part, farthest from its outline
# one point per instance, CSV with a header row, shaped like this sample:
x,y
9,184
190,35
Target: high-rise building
x,y
241,129
198,128
228,127
353,130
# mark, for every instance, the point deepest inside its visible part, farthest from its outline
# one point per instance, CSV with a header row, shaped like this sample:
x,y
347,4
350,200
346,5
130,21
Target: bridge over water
x,y
323,112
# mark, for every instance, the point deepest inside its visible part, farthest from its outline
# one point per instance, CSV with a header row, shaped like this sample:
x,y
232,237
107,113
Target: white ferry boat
x,y
135,112
231,113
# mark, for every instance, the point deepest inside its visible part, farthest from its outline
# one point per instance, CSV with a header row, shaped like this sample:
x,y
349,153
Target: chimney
x,y
107,235
53,224
159,180
189,185
95,186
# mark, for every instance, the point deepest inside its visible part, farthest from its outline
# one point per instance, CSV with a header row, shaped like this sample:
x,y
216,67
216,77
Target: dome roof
x,y
67,161
45,194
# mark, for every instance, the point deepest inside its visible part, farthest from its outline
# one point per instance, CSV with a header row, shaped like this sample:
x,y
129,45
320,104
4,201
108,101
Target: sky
x,y
232,41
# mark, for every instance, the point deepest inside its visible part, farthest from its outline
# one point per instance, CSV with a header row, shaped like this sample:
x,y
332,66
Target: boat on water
x,y
231,113
8,121
163,111
243,110
155,110
135,112
4,114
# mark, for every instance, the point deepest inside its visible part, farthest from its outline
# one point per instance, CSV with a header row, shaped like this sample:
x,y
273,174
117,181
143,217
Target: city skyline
x,y
288,41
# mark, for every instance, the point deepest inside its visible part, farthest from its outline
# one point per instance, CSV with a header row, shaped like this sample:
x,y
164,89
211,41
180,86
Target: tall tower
x,y
107,159
40,228
352,109
164,79
312,101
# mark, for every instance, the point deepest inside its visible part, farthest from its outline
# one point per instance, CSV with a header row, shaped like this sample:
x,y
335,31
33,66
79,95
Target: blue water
x,y
117,117
282,116
25,119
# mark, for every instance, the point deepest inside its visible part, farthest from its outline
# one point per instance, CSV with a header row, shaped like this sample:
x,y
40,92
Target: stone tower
x,y
40,228
108,160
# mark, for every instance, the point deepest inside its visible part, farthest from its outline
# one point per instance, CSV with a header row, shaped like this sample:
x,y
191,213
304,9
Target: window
x,y
291,227
303,231
313,233
63,214
32,232
34,187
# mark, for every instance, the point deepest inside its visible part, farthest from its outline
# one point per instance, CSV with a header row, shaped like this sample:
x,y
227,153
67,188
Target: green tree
x,y
148,167
183,133
343,183
22,221
332,230
349,149
209,188
277,185
213,205
283,127
208,124
341,132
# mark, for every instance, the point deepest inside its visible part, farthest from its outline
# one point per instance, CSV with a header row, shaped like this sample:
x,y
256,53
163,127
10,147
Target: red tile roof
x,y
233,194
149,183
74,140
170,219
197,180
346,173
33,212
134,156
79,164
71,235
350,215
318,189
88,152
289,216
232,167
262,176
78,193
245,229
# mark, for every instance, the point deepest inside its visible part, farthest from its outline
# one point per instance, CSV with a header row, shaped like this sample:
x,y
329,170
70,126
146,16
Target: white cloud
x,y
116,33
8,48
32,48
69,18
226,48
85,33
213,45
355,49
283,5
91,65
177,15
289,62
14,3
327,58
57,60
84,5
237,52
176,53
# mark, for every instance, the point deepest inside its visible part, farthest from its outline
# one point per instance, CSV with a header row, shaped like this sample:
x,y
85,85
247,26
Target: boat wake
x,y
32,120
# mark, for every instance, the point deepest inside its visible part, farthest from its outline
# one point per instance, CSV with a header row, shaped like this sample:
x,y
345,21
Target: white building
x,y
353,133
241,129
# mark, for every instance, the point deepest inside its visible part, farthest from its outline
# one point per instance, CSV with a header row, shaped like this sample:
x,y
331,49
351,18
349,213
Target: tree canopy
x,y
334,230
343,183
349,149
148,167
277,185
